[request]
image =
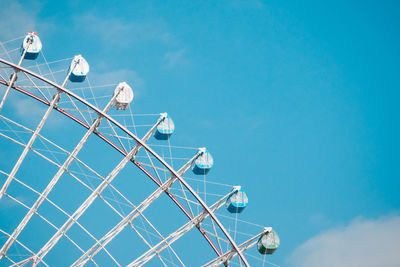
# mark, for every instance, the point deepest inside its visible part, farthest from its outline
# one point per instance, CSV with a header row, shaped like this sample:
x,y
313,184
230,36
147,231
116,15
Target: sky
x,y
295,100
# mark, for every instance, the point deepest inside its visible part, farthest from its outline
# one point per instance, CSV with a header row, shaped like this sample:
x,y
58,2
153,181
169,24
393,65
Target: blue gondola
x,y
80,69
33,45
203,163
268,242
164,129
237,201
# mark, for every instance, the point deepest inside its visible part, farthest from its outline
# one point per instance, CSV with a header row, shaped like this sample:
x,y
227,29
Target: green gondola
x,y
268,242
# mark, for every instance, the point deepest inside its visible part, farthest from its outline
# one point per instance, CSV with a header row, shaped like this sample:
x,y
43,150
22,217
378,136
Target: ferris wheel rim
x,y
124,153
207,209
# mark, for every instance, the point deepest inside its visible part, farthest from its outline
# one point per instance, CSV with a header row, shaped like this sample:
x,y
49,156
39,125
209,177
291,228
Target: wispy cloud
x,y
363,242
18,18
247,4
27,111
8,203
26,107
175,58
123,33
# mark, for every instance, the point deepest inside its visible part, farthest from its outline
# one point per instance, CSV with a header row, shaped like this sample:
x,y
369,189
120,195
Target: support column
x,y
14,76
54,181
196,221
21,158
79,212
226,257
132,215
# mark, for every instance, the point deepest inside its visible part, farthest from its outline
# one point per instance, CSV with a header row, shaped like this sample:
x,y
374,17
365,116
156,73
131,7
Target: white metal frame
x,y
226,257
103,114
53,182
21,158
196,221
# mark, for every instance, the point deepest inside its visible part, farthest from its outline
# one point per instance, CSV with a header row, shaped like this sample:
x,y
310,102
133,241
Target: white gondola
x,y
268,242
165,128
32,44
80,69
237,201
203,163
124,97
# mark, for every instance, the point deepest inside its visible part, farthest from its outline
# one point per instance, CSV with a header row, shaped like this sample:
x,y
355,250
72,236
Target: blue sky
x,y
296,100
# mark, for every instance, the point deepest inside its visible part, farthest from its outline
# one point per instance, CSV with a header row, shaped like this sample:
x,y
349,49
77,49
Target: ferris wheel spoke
x,y
132,215
21,263
115,135
37,87
174,199
218,238
22,245
6,52
226,257
48,222
62,211
183,170
158,235
52,203
86,204
13,77
186,198
21,158
77,109
59,208
196,221
1,76
48,63
55,179
133,227
147,148
14,263
215,235
153,166
95,174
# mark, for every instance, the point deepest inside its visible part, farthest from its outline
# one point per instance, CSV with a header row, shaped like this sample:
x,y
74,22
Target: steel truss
x,y
196,221
226,257
60,209
176,175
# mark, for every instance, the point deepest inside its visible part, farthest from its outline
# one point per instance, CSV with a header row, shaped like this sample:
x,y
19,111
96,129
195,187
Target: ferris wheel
x,y
81,184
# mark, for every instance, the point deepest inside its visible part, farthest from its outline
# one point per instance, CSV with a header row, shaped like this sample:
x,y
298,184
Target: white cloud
x,y
118,32
247,4
16,20
363,242
28,110
8,203
20,17
175,58
27,107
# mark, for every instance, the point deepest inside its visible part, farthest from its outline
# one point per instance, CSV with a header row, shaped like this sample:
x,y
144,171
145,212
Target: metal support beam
x,y
147,136
14,76
196,221
21,158
85,205
131,216
53,182
151,151
226,257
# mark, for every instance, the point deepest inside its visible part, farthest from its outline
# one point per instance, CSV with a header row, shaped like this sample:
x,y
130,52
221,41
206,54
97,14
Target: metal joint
x,y
13,79
169,184
96,123
57,99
